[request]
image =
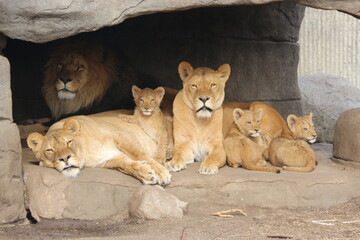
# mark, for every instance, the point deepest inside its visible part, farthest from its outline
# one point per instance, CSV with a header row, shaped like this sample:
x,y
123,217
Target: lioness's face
x,y
248,121
71,75
147,100
59,150
302,127
204,88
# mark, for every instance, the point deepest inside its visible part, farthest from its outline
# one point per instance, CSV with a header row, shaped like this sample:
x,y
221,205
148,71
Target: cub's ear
x,y
310,116
34,141
160,92
237,113
224,72
135,91
259,112
185,69
73,125
291,121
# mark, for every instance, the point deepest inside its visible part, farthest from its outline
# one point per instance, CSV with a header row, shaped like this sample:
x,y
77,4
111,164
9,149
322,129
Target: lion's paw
x,y
145,173
175,166
207,170
163,175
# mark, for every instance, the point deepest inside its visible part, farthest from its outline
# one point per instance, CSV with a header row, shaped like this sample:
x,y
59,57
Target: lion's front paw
x,y
207,169
175,166
163,174
144,172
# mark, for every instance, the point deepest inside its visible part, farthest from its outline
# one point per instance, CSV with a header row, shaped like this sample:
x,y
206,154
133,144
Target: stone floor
x,y
101,193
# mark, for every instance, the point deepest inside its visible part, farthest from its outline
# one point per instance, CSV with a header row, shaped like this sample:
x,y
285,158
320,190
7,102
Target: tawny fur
x,y
99,140
150,118
240,149
296,154
198,119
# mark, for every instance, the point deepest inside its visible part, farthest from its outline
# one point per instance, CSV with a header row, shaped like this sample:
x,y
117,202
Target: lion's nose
x,y
65,158
65,80
204,99
314,135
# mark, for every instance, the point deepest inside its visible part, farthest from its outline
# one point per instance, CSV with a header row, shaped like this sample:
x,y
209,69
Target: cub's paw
x,y
206,169
175,166
163,174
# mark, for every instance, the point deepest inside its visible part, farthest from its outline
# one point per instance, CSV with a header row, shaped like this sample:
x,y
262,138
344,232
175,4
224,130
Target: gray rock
x,y
153,202
5,92
327,96
347,136
52,20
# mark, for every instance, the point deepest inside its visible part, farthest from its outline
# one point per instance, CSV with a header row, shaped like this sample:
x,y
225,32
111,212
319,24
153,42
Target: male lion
x,y
72,144
85,78
198,119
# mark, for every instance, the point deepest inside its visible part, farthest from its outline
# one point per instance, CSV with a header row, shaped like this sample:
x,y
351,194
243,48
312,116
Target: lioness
x,y
72,144
240,148
149,117
296,154
198,119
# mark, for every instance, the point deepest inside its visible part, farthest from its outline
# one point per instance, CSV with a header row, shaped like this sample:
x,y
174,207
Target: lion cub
x,y
240,149
149,117
295,155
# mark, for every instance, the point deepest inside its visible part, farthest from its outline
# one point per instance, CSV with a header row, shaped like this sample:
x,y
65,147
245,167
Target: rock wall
x,y
11,180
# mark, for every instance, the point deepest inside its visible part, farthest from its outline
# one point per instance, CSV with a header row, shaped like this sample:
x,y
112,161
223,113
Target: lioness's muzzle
x,y
205,108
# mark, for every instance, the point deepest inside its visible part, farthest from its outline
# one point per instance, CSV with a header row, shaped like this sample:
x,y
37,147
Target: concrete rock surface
x,y
327,96
347,136
153,202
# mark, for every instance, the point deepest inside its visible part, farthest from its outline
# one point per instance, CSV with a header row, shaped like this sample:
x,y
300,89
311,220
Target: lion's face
x,y
248,121
203,88
147,100
71,75
302,127
59,150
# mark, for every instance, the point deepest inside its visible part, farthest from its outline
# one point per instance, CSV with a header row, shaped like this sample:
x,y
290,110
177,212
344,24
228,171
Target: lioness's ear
x,y
291,121
72,125
185,69
160,92
34,141
259,112
135,91
237,113
224,72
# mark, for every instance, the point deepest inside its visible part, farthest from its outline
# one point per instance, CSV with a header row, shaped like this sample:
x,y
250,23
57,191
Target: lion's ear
x,y
34,141
160,92
237,113
73,125
291,121
224,72
135,91
185,69
310,116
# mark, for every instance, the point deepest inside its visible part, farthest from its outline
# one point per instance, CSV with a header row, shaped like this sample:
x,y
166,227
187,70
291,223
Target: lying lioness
x,y
100,140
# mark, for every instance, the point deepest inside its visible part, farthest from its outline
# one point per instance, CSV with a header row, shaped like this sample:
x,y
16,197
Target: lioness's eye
x,y
213,85
305,129
59,66
257,121
248,122
69,142
152,100
194,86
141,100
80,68
49,150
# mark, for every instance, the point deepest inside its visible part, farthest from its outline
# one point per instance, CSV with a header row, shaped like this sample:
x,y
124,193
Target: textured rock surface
x,y
347,136
153,202
327,96
45,21
11,182
100,193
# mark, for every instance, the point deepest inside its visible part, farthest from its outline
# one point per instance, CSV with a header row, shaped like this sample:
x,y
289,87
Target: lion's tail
x,y
251,166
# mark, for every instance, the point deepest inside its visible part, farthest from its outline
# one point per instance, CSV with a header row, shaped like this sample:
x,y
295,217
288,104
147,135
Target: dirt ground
x,y
340,222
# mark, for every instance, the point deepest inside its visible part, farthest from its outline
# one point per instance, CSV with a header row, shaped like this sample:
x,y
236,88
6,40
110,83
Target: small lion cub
x,y
295,155
148,116
240,149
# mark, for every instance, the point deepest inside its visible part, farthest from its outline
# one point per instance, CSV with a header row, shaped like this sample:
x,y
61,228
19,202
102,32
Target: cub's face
x,y
147,100
302,127
71,75
203,88
59,150
248,122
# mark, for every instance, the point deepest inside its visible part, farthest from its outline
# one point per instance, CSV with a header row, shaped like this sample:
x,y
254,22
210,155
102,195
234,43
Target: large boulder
x,y
52,20
327,96
347,136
